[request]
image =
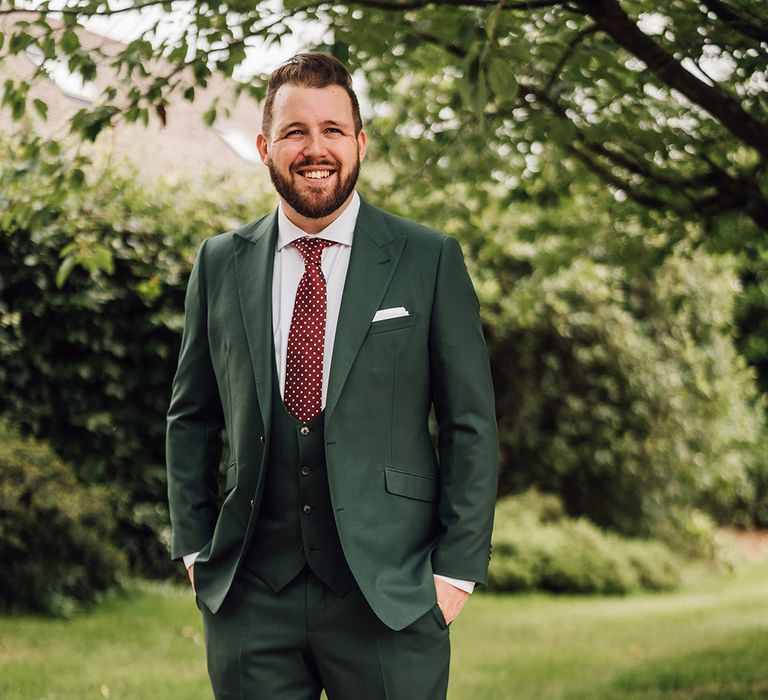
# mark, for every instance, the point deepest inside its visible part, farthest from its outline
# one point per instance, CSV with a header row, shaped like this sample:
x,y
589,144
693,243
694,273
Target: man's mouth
x,y
317,174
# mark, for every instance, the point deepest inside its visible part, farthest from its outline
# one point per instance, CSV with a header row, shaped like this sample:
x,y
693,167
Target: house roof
x,y
182,147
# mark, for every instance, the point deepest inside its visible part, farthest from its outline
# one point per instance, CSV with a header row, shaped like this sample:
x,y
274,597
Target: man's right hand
x,y
191,573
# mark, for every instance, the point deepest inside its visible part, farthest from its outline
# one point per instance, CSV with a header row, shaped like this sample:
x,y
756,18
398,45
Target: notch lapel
x,y
254,263
375,253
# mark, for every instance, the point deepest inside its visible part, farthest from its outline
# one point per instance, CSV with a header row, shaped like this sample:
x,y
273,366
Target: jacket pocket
x,y
393,324
230,477
422,488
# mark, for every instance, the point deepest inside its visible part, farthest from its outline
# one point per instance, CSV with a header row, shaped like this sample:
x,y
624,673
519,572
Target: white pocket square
x,y
394,312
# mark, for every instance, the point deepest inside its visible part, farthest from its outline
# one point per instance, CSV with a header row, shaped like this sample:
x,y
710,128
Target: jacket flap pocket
x,y
422,488
230,477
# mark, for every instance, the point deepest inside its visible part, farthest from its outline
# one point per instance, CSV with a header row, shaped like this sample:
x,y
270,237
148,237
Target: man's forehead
x,y
299,103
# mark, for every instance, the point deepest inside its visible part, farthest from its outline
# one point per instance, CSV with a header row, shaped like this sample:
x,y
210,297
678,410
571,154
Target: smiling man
x,y
339,543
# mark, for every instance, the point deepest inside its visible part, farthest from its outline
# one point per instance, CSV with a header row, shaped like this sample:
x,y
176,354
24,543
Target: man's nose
x,y
314,146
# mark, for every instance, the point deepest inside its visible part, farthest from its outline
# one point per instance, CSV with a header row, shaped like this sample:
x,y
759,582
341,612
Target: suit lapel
x,y
254,261
376,251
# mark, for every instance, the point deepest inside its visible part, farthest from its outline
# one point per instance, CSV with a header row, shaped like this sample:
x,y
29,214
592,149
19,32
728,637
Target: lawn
x,y
706,641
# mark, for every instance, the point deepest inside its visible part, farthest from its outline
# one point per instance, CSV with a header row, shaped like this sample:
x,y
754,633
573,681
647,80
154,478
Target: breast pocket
x,y
393,324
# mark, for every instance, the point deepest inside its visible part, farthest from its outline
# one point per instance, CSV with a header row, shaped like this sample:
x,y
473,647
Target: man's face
x,y
312,152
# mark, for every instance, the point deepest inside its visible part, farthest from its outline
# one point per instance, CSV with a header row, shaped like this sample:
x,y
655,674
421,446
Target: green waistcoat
x,y
295,526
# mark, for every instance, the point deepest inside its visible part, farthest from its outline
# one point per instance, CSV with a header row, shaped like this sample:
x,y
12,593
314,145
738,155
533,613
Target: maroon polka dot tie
x,y
306,337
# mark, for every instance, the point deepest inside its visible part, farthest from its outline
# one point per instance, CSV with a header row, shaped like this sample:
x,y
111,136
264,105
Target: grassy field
x,y
706,641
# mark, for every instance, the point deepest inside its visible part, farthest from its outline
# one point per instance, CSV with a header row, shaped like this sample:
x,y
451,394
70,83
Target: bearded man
x,y
340,541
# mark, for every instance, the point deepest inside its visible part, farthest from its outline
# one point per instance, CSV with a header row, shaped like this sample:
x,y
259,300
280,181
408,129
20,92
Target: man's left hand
x,y
450,599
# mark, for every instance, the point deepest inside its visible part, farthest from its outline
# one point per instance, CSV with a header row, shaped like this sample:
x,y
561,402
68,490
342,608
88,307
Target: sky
x,y
260,58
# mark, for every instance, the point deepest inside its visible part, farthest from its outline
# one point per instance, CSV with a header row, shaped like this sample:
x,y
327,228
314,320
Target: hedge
x,y
56,534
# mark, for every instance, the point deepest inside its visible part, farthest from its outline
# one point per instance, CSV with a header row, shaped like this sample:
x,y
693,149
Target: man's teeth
x,y
317,174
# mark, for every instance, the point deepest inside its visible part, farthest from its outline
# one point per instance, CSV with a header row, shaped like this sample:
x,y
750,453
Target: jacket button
x,y
261,439
306,508
251,504
305,471
304,430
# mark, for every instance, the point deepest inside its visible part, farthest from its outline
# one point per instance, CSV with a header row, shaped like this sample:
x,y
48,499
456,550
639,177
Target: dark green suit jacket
x,y
403,508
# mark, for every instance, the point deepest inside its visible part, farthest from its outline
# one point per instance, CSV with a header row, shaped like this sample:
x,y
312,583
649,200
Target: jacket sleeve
x,y
462,394
195,423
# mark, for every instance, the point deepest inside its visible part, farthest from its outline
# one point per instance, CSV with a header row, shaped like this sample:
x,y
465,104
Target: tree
x,y
667,107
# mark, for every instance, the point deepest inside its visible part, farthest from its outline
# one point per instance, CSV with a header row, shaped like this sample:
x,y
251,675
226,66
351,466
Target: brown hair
x,y
314,70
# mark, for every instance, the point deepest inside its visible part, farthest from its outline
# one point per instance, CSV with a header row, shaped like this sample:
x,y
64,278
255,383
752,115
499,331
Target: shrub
x,y
617,380
91,309
55,534
536,546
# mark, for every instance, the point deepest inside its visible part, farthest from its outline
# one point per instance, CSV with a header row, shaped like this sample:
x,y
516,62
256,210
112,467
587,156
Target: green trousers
x,y
293,644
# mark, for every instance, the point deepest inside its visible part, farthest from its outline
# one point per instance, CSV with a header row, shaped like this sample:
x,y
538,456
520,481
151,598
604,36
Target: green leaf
x,y
41,108
501,78
69,41
210,116
65,268
77,178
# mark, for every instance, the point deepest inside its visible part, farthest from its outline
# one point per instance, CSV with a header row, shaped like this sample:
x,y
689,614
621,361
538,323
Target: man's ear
x,y
362,144
262,145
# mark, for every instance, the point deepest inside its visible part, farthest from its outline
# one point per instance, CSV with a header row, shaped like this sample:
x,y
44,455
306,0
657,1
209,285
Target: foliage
x,y
665,107
91,300
535,546
618,384
626,396
55,533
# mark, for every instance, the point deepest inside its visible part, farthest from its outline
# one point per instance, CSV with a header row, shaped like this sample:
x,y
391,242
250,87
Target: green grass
x,y
708,641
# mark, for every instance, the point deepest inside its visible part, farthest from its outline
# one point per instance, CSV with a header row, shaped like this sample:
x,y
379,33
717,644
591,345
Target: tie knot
x,y
311,248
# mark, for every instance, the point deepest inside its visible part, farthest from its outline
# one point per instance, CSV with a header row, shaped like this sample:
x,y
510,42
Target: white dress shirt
x,y
287,272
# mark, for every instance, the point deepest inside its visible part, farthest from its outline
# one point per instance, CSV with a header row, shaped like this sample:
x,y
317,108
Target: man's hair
x,y
313,70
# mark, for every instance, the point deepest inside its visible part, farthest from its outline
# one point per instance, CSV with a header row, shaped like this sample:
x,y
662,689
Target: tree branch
x,y
577,38
612,19
736,22
739,194
82,12
612,179
419,4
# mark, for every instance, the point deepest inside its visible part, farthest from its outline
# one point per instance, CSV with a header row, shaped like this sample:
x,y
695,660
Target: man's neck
x,y
313,226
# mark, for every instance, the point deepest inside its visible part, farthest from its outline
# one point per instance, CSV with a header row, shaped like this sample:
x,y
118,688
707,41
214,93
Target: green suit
x,y
403,509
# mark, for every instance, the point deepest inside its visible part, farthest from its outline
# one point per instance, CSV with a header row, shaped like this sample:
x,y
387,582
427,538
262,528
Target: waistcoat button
x,y
307,508
304,430
305,471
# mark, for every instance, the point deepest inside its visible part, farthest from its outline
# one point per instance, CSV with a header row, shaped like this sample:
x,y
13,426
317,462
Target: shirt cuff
x,y
466,586
189,559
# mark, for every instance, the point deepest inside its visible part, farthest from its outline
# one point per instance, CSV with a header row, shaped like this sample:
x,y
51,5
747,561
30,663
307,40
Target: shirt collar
x,y
340,230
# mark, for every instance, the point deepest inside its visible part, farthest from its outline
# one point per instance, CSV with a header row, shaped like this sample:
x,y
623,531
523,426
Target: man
x,y
340,545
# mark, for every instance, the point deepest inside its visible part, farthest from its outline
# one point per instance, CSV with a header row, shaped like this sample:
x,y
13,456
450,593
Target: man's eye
x,y
333,130
294,132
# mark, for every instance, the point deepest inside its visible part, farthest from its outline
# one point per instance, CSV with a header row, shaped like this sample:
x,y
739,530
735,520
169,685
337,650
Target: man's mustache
x,y
311,161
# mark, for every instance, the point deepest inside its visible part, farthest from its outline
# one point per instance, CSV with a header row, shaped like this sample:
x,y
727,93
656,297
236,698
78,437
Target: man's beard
x,y
320,205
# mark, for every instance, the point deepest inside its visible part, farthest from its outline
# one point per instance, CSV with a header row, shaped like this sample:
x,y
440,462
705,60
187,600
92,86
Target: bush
x,y
617,380
55,534
91,309
536,546
627,398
